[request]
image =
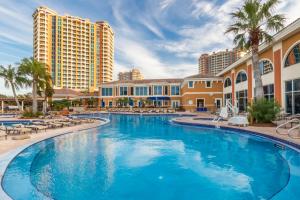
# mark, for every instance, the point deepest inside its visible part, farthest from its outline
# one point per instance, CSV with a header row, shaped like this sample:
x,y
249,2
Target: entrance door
x,y
175,104
218,103
200,103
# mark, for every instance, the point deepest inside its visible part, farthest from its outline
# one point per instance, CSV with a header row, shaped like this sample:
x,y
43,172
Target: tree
x,y
48,93
37,74
13,79
252,23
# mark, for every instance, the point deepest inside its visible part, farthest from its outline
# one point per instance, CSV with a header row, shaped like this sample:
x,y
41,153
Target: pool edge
x,y
8,157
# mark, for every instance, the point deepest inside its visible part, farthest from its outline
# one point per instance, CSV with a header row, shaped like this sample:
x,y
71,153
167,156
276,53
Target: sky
x,y
162,38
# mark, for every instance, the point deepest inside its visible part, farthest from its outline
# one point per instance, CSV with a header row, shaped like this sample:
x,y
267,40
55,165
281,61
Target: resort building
x,y
133,74
214,63
192,93
280,69
77,52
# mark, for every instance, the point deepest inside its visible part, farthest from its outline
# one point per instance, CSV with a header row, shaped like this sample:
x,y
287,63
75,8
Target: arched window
x,y
227,82
241,77
293,56
265,67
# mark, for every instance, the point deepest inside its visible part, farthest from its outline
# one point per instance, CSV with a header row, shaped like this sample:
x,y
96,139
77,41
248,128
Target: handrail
x,y
290,130
281,125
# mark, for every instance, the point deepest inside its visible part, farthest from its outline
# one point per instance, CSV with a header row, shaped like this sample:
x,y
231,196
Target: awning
x,y
158,98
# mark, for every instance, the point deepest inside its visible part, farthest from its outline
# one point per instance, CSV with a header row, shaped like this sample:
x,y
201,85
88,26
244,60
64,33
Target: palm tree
x,y
13,79
38,76
48,92
252,23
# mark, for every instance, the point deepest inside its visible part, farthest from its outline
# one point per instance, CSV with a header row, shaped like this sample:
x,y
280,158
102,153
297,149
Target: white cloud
x,y
201,8
166,3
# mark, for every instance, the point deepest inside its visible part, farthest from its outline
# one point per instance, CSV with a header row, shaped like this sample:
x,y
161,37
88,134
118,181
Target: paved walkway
x,y
265,131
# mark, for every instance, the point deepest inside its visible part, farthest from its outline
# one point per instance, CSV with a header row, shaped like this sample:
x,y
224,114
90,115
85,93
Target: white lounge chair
x,y
238,121
223,115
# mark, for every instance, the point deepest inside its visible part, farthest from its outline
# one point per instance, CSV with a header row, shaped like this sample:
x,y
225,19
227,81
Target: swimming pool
x,y
147,157
12,122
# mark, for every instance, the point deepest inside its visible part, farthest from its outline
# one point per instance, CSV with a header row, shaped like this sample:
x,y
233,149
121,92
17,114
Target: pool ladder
x,y
289,133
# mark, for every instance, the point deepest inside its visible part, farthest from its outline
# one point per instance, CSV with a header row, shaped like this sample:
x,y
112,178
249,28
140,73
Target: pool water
x,y
147,157
11,123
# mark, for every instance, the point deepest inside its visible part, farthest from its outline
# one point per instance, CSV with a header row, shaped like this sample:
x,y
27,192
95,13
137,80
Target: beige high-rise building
x,y
214,63
134,74
72,49
106,51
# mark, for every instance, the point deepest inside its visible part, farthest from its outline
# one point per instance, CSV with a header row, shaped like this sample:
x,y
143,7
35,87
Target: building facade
x,y
280,69
214,63
192,93
105,52
134,74
78,53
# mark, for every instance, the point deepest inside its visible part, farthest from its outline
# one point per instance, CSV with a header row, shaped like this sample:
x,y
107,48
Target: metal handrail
x,y
290,130
288,122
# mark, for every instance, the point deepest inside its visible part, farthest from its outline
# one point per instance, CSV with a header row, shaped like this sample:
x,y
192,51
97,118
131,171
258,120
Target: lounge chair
x,y
222,115
37,128
238,121
3,134
22,130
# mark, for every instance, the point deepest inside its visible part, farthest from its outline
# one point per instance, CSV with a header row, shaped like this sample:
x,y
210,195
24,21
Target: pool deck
x,y
10,148
269,132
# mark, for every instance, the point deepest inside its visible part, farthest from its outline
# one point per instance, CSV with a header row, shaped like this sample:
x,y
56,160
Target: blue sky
x,y
163,38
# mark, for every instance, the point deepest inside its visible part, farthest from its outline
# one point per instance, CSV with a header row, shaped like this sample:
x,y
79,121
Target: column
x,y
277,76
2,106
250,78
232,86
22,105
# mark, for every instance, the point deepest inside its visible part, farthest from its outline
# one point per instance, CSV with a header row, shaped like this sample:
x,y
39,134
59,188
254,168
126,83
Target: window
x,y
191,84
166,90
292,96
175,90
106,91
242,100
208,84
241,77
227,97
293,56
227,82
141,91
265,67
269,92
123,91
157,90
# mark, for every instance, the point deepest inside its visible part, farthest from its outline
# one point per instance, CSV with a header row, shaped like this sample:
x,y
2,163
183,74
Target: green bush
x,y
263,111
61,104
30,114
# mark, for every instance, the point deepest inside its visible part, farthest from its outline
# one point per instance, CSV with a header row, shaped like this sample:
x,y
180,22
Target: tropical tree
x,y
252,24
48,93
13,79
37,77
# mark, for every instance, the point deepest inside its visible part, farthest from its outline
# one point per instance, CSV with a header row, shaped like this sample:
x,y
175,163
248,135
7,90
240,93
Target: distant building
x,y
217,61
78,53
134,74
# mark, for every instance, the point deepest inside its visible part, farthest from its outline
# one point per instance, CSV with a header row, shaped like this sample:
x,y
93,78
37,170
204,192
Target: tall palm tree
x,y
48,92
37,74
252,22
13,79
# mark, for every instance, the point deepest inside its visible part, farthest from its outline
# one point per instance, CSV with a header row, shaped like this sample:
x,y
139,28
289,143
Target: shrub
x,y
263,111
30,114
61,104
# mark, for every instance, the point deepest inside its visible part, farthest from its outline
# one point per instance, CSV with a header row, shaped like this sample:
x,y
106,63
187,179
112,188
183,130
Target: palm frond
x,y
268,7
276,22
